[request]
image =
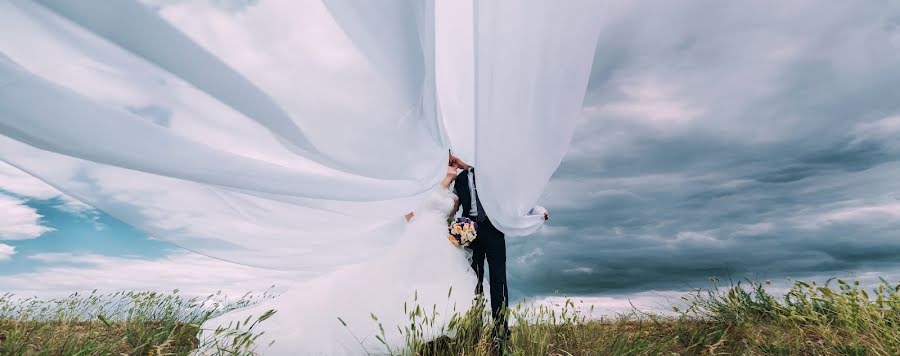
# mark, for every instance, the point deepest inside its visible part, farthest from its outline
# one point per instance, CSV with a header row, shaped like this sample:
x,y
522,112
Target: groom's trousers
x,y
491,245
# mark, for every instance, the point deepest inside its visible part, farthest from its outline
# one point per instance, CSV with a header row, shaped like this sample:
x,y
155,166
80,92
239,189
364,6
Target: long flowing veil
x,y
303,164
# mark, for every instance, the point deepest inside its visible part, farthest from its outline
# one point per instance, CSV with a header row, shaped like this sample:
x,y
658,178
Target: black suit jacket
x,y
465,196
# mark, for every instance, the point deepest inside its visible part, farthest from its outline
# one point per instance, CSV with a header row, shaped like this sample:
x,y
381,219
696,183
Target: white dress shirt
x,y
473,210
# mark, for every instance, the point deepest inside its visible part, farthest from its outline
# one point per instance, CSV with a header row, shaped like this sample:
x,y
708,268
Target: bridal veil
x,y
244,156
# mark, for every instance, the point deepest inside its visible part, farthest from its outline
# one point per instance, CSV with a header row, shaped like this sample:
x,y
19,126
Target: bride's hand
x,y
451,171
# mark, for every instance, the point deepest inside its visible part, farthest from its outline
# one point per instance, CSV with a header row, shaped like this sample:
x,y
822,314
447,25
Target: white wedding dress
x,y
419,269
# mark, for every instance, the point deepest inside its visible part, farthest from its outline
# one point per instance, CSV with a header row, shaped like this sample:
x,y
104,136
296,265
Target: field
x,y
834,318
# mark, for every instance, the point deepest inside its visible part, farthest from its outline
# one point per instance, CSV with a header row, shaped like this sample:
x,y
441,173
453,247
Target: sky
x,y
753,139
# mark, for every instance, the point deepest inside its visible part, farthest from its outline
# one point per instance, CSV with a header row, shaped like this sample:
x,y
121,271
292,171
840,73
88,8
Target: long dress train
x,y
422,269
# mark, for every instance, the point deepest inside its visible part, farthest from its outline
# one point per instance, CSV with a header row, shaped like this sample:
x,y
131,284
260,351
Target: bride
x,y
345,312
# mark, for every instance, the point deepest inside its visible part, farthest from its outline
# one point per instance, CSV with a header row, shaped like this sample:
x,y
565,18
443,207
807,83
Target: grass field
x,y
836,318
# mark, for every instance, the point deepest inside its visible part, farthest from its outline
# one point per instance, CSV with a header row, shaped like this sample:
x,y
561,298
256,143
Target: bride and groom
x,y
366,307
490,245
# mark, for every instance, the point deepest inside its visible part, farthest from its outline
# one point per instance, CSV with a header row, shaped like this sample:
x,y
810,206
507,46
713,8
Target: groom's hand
x,y
540,210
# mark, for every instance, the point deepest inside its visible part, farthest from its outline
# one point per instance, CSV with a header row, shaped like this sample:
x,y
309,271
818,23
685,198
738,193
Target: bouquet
x,y
462,232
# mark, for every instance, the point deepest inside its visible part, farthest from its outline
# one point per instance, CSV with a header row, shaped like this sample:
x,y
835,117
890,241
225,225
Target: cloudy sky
x,y
754,139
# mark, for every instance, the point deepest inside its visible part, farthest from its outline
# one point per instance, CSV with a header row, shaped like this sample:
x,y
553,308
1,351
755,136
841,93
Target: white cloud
x,y
754,229
20,183
19,221
6,252
660,302
696,238
889,211
529,257
886,125
885,130
852,212
81,210
657,302
576,270
17,182
192,274
651,102
700,236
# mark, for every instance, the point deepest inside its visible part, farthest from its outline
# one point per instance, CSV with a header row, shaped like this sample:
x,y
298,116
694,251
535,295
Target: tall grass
x,y
744,318
131,323
836,317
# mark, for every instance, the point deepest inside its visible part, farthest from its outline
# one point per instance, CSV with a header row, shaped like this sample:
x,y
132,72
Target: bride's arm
x,y
409,216
455,205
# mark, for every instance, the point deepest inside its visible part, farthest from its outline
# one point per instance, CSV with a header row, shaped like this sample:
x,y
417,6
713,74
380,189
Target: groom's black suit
x,y
490,244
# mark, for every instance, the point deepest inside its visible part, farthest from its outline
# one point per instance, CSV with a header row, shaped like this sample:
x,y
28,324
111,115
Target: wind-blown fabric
x,y
113,105
532,64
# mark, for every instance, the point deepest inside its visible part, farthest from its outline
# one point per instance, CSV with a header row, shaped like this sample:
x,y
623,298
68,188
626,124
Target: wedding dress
x,y
421,269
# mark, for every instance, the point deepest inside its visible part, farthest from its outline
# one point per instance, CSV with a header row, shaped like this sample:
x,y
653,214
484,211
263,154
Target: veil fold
x,y
532,64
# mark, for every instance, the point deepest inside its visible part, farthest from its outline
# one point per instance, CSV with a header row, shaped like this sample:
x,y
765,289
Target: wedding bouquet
x,y
462,232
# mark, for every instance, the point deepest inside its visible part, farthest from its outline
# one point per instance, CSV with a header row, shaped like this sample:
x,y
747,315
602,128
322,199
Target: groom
x,y
490,244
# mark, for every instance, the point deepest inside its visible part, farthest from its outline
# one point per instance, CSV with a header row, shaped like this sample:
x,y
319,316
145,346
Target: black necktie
x,y
482,216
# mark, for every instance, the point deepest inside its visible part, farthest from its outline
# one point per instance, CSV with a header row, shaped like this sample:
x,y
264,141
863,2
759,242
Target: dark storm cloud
x,y
760,138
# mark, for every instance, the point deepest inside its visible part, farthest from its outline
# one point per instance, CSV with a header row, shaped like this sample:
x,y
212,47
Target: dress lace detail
x,y
439,202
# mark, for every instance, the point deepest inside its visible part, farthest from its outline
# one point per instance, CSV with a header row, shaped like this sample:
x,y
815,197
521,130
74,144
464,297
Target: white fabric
x,y
538,210
419,270
455,71
76,111
532,64
120,109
